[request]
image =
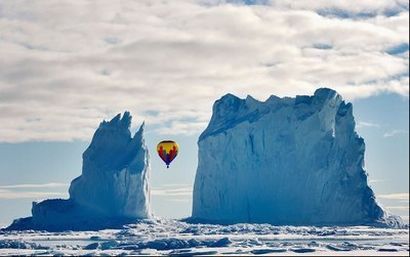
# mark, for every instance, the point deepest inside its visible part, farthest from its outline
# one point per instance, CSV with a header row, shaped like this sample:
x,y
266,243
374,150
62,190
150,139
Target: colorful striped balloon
x,y
167,150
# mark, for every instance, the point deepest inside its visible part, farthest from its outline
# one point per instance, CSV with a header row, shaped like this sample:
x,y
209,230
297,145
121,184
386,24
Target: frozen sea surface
x,y
172,237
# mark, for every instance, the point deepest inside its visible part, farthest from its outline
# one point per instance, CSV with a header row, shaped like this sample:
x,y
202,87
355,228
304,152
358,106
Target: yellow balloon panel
x,y
167,151
167,145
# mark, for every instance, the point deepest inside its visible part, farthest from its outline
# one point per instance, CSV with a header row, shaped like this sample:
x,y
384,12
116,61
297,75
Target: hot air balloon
x,y
167,150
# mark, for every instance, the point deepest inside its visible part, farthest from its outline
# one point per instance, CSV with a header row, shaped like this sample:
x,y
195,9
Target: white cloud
x,y
23,186
395,132
24,191
173,191
181,200
67,65
364,124
371,181
395,196
363,8
400,208
405,218
9,194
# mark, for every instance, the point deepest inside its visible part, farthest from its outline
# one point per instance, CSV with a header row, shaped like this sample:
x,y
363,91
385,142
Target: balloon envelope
x,y
167,151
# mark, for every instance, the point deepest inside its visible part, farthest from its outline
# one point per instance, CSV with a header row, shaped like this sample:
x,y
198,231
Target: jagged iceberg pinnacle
x,y
112,190
287,160
115,168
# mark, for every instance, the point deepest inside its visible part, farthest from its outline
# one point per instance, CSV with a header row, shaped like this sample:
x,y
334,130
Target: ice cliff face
x,y
283,161
112,190
114,180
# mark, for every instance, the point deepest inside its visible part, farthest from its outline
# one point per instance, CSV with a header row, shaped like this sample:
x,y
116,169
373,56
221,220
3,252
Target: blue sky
x,y
67,65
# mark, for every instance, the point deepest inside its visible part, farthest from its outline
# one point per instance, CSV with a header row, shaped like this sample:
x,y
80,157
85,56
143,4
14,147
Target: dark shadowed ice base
x,y
66,215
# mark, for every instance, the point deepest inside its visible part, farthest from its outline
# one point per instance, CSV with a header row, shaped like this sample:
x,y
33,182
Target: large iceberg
x,y
292,161
112,190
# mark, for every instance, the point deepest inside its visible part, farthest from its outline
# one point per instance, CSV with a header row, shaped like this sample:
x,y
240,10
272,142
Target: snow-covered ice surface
x,y
284,161
172,237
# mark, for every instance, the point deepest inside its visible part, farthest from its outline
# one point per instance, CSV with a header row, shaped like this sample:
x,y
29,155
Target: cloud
x,y
395,132
24,186
405,218
181,200
67,65
381,7
364,124
9,194
400,208
397,203
338,9
173,191
395,196
24,191
371,181
176,192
